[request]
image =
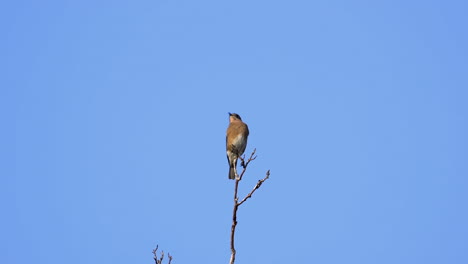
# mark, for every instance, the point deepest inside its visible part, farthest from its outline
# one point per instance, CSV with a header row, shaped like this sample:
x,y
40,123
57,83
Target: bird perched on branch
x,y
236,141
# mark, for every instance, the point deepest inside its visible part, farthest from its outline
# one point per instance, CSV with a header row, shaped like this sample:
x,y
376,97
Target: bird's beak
x,y
229,113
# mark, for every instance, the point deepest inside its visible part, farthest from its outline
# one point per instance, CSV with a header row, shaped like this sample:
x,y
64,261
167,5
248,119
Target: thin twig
x,y
259,183
160,259
245,164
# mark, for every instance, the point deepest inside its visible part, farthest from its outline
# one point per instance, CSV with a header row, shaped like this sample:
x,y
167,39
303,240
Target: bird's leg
x,y
235,171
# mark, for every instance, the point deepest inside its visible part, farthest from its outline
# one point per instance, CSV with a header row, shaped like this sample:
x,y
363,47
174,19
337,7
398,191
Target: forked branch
x,y
158,260
244,164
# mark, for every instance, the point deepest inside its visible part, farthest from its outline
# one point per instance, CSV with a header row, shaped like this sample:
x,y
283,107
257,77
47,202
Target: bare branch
x,y
158,260
244,164
259,183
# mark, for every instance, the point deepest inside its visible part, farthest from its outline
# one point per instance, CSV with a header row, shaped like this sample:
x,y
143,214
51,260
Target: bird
x,y
236,141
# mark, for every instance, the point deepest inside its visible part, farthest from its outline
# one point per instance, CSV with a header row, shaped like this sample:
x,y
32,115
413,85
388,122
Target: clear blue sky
x,y
114,116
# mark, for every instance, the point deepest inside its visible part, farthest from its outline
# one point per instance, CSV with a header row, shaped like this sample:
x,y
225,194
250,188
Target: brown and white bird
x,y
236,141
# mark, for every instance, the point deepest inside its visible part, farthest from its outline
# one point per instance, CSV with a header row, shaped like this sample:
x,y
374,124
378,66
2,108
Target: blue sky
x,y
114,116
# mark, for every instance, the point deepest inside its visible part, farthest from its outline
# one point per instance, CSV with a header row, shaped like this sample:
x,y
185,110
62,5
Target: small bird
x,y
236,141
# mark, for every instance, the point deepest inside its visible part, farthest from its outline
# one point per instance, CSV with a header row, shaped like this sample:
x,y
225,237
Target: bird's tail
x,y
232,172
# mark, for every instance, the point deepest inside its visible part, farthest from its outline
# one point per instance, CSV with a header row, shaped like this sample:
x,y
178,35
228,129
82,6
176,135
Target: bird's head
x,y
234,116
